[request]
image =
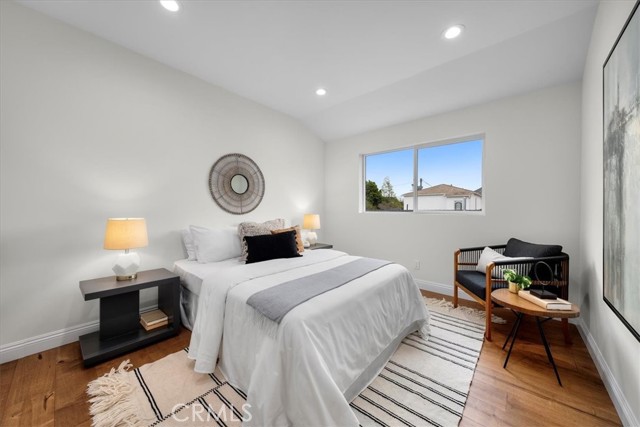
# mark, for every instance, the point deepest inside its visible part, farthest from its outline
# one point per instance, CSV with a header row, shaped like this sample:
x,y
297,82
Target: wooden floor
x,y
527,392
49,388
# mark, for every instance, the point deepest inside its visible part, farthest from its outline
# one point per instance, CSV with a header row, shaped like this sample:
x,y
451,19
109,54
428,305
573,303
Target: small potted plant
x,y
516,281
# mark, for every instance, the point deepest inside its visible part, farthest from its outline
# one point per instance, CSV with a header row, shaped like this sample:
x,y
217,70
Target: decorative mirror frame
x,y
221,176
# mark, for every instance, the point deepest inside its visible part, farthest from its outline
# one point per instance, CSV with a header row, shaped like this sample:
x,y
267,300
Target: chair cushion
x,y
473,281
519,248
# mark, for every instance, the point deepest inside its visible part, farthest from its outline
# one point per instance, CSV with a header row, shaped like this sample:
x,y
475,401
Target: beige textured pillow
x,y
295,228
257,229
489,255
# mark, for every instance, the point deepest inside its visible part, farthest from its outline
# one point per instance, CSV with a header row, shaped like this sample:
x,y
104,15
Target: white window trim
x,y
416,148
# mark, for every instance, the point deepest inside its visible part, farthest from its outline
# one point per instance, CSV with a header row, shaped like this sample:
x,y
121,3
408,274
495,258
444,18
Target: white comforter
x,y
324,352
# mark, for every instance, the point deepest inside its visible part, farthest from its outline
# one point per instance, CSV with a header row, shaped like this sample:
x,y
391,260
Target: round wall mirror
x,y
239,184
236,183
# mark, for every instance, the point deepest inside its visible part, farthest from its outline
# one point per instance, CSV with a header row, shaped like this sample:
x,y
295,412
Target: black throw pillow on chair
x,y
519,248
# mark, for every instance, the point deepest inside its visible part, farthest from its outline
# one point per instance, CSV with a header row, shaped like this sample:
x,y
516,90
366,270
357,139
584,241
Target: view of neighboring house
x,y
444,197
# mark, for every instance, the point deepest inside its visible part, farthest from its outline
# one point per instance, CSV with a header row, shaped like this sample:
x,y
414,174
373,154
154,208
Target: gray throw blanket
x,y
275,302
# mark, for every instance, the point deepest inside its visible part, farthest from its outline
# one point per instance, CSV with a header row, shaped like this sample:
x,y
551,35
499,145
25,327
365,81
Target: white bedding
x,y
192,273
324,352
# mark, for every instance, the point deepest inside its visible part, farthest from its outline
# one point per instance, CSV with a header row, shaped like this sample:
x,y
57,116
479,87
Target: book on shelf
x,y
155,325
548,304
153,317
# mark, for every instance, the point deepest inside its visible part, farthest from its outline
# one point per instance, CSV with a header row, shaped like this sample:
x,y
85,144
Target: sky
x,y
459,164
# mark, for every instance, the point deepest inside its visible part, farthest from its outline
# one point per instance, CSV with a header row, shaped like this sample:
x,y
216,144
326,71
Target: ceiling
x,y
382,62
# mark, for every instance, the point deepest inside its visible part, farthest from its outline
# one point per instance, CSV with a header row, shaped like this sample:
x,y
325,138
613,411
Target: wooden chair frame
x,y
467,259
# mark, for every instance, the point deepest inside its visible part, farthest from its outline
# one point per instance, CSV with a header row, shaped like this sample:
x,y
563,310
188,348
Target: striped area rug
x,y
424,384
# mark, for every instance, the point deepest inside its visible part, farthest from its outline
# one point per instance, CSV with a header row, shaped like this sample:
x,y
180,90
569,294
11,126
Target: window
x,y
388,176
447,177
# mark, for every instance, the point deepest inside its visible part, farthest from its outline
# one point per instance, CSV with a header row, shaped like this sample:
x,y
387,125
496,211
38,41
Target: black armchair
x,y
476,283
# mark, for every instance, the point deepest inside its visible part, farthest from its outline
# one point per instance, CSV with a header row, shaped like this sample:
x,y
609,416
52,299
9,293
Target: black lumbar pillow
x,y
519,248
271,246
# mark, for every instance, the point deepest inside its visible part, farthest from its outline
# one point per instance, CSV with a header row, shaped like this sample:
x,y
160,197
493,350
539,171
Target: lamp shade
x,y
311,222
125,233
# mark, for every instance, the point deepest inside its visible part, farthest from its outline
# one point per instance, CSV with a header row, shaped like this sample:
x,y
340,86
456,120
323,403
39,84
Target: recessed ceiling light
x,y
453,31
321,92
171,5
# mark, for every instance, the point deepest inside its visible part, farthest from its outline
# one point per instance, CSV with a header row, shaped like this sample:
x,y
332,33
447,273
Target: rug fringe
x,y
111,399
471,312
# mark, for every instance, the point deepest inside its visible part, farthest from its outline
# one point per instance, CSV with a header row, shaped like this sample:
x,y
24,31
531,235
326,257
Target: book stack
x,y
153,320
548,304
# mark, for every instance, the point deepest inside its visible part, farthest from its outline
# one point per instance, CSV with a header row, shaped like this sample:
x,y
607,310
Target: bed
x,y
306,370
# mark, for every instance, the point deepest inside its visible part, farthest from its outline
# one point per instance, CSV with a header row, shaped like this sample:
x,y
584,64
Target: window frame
x,y
416,148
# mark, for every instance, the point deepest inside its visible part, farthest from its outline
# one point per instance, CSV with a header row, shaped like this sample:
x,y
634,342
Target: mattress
x,y
192,272
191,275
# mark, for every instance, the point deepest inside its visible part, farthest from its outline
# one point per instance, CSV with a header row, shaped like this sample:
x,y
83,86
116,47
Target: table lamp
x,y
311,222
126,233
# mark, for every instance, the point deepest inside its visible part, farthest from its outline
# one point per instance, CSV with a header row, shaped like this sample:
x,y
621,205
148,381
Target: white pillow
x,y
187,240
489,255
215,245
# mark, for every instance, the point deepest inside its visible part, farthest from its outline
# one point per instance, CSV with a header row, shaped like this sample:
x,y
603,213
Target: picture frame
x,y
621,175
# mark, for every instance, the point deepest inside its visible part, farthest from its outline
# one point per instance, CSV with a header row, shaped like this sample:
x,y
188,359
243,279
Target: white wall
x,y
617,347
90,130
537,199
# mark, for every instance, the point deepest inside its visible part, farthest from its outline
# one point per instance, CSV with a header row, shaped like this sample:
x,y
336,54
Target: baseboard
x,y
23,348
620,402
441,289
29,346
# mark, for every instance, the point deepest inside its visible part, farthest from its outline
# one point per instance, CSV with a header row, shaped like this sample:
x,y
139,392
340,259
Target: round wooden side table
x,y
520,307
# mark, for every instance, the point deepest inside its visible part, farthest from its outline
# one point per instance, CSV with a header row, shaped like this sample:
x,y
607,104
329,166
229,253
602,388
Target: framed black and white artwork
x,y
621,161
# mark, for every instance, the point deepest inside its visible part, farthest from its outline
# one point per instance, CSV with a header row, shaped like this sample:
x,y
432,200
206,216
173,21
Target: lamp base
x,y
126,266
123,278
312,237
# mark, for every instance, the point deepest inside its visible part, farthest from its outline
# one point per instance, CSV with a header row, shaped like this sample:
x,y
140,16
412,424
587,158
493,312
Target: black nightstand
x,y
120,330
319,246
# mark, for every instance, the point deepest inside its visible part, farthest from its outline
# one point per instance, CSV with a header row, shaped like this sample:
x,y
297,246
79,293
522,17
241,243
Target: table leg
x,y
119,315
547,349
513,328
515,334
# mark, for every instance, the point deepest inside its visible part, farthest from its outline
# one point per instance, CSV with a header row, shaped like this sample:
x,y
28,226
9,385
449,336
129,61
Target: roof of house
x,y
446,190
